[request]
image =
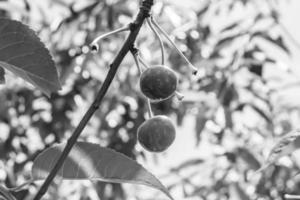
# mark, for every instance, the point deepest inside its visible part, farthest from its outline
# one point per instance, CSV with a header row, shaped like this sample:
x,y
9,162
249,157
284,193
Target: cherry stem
x,y
162,49
136,60
143,62
149,108
94,45
194,69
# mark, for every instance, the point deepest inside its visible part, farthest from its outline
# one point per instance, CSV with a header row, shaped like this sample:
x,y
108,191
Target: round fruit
x,y
156,134
158,82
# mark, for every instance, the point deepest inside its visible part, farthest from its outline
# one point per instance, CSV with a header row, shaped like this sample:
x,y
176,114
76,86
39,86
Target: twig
x,y
134,30
190,65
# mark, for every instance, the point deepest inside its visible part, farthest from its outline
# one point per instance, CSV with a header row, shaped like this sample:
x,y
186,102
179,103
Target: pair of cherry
x,y
157,83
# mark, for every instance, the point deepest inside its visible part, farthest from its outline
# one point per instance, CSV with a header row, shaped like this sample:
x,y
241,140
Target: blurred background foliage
x,y
239,104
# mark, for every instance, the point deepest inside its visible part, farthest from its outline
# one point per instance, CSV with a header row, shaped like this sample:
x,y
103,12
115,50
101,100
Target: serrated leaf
x,y
2,77
22,53
286,145
5,193
88,161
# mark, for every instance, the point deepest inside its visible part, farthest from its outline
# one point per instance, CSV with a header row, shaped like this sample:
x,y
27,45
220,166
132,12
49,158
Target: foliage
x,y
233,100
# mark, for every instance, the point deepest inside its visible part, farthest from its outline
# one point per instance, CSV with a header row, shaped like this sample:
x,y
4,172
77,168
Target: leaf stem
x,y
134,30
162,49
190,65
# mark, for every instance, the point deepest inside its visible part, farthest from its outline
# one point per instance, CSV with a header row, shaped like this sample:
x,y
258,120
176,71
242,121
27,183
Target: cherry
x,y
156,134
158,82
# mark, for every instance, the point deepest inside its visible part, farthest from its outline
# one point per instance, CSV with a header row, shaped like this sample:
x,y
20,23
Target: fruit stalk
x,y
94,45
162,49
143,62
135,54
134,30
194,69
150,113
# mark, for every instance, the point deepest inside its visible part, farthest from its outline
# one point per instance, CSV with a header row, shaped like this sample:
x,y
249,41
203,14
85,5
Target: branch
x,y
134,30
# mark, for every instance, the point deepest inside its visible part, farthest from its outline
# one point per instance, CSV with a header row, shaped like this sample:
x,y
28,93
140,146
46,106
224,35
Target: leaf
x,y
2,77
203,10
256,69
188,163
261,112
278,41
229,95
286,145
5,193
229,27
248,158
226,41
237,193
88,161
201,120
22,53
228,117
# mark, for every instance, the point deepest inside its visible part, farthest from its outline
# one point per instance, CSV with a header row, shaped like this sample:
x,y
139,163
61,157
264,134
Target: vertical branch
x,y
134,30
